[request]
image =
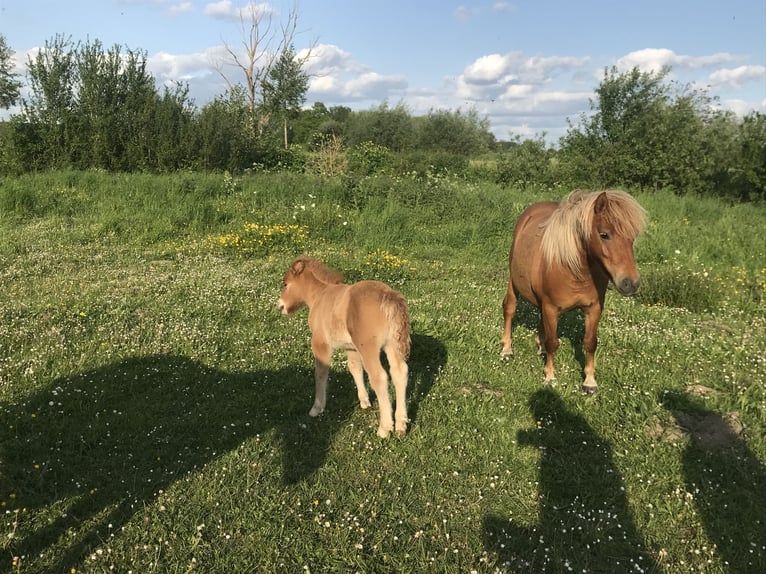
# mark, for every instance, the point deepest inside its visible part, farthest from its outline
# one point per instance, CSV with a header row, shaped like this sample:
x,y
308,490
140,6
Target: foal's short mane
x,y
569,226
321,271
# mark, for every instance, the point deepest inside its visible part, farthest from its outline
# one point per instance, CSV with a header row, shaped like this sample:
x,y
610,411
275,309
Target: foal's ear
x,y
298,266
601,202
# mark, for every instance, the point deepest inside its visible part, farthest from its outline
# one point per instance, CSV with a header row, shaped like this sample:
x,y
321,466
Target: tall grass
x,y
153,404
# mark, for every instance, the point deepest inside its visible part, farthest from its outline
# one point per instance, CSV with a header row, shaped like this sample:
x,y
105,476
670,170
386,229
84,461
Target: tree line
x,y
91,107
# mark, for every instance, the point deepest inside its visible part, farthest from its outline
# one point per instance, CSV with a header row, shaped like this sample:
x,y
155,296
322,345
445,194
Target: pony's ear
x,y
601,202
298,266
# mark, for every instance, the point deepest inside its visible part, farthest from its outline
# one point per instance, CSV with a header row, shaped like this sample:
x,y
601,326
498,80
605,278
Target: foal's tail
x,y
395,308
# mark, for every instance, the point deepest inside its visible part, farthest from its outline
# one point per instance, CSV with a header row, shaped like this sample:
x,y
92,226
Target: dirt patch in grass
x,y
706,430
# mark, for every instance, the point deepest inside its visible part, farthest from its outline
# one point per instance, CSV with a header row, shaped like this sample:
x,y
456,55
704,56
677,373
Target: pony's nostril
x,y
628,286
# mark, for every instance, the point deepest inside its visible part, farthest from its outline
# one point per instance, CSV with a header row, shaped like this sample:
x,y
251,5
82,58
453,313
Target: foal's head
x,y
304,275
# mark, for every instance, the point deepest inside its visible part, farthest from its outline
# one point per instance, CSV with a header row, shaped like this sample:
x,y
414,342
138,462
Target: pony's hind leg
x,y
322,354
399,372
356,369
509,310
379,383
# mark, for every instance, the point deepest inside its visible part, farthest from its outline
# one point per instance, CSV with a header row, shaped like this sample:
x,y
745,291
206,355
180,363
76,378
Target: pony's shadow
x,y
102,444
583,511
727,480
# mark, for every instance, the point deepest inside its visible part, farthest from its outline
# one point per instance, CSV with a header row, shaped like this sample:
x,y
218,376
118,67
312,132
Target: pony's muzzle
x,y
627,286
281,307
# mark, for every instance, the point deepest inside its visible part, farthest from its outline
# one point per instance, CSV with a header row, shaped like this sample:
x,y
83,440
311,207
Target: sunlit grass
x,y
154,404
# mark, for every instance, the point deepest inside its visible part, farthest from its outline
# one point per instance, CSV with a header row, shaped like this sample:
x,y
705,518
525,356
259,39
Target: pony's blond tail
x,y
395,309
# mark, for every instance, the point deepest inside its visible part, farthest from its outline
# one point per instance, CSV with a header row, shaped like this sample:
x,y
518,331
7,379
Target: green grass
x,y
154,405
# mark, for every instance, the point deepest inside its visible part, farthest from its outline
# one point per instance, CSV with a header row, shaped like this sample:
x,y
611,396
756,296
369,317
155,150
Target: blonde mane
x,y
569,226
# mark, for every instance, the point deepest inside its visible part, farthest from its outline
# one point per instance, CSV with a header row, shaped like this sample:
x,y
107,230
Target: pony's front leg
x,y
322,354
590,342
356,369
549,334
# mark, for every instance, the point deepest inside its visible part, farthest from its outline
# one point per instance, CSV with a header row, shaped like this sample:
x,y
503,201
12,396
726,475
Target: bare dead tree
x,y
262,43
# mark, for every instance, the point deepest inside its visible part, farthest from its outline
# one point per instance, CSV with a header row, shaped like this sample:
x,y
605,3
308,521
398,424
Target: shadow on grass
x,y
584,522
727,482
92,450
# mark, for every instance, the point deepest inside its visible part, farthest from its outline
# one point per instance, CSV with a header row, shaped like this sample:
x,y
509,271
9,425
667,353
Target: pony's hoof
x,y
315,411
550,382
365,404
589,389
401,432
383,433
506,355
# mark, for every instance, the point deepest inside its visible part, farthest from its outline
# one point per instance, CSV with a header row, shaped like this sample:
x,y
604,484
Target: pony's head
x,y
604,224
300,281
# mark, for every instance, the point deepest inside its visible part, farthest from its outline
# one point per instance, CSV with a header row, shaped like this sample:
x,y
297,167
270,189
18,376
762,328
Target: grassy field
x,y
154,405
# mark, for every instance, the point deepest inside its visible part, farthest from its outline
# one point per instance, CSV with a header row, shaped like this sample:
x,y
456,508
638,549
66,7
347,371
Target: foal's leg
x,y
399,370
509,310
322,354
379,383
590,342
550,323
356,369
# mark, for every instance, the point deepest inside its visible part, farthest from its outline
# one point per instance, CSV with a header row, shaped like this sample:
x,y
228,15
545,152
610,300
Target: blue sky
x,y
527,65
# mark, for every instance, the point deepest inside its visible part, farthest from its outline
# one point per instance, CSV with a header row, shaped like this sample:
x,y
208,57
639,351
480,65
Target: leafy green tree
x,y
9,85
52,76
96,108
392,128
454,132
527,162
736,153
224,140
649,133
609,148
284,89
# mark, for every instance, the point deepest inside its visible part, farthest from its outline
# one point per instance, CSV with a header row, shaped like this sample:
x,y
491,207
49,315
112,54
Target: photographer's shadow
x,y
726,479
584,519
101,445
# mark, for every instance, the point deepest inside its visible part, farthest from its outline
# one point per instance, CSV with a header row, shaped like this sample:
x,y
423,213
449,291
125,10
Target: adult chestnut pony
x,y
362,319
563,256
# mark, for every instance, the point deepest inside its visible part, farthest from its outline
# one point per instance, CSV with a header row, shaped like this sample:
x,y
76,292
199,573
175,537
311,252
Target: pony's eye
x,y
604,236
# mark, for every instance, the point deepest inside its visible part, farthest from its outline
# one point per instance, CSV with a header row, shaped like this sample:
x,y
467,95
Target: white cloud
x,y
490,69
518,67
335,74
180,8
654,59
737,77
225,10
372,85
530,103
174,68
329,59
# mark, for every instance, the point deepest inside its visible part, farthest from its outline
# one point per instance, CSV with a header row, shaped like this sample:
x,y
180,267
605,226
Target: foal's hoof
x,y
315,411
589,389
506,355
